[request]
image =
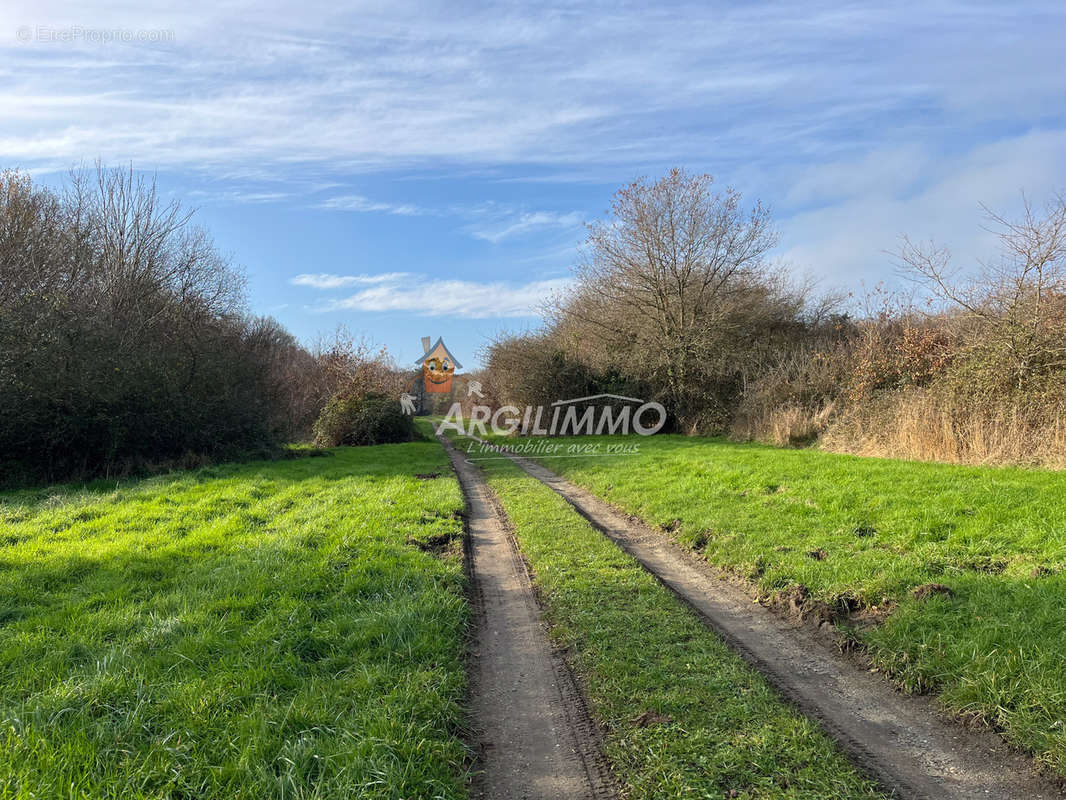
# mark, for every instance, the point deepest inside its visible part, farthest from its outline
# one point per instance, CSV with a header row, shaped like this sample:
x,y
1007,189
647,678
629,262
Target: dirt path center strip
x,y
534,736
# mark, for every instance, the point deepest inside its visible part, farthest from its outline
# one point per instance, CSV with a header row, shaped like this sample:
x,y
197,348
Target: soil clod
x,y
649,719
927,590
436,545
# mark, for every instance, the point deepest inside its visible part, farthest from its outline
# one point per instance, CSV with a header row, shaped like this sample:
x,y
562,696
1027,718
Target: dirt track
x,y
900,741
533,734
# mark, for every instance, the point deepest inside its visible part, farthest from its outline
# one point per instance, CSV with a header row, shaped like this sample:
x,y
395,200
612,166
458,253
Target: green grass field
x,y
264,630
866,532
296,628
684,716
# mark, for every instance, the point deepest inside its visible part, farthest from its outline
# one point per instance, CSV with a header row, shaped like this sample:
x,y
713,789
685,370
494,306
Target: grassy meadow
x,y
864,533
283,629
684,716
296,628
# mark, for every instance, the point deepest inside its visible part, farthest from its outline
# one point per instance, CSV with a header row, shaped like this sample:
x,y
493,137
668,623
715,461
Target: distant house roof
x,y
433,352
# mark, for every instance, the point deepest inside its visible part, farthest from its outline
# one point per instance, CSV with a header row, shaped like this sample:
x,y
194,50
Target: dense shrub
x,y
124,339
353,420
539,369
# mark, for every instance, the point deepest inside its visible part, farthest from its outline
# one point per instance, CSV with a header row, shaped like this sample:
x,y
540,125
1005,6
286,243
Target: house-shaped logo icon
x,y
438,366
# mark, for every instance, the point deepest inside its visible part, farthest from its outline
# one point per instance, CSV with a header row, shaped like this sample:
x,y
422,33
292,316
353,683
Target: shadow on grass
x,y
300,463
248,630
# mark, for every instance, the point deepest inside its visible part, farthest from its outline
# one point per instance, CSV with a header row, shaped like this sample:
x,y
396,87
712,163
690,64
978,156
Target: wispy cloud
x,y
857,121
239,196
508,225
356,202
341,90
490,222
434,297
852,214
329,281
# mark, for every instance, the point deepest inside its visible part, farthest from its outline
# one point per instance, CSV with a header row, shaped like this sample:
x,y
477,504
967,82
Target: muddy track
x,y
900,741
533,735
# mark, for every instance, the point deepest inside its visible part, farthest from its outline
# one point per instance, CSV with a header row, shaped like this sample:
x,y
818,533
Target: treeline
x,y
675,299
125,339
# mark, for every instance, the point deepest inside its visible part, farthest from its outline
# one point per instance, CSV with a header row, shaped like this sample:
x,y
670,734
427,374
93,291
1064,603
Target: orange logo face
x,y
438,374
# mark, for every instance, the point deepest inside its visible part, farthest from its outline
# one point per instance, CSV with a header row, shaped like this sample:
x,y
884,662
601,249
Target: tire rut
x,y
534,737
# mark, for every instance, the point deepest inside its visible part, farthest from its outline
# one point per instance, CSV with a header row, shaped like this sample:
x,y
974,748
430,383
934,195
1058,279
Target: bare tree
x,y
1018,299
676,281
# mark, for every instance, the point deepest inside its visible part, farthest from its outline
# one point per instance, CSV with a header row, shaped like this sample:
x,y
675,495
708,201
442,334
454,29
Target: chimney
x,y
425,344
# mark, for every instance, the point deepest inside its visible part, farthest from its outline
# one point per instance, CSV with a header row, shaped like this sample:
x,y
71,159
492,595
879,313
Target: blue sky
x,y
426,169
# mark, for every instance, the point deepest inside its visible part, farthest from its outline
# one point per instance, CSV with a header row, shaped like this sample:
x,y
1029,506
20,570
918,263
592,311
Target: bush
x,y
125,341
355,420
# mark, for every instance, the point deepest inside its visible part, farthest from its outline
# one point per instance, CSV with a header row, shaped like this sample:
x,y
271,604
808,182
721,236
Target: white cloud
x,y
328,281
238,196
356,202
434,297
860,121
491,222
859,210
339,89
523,223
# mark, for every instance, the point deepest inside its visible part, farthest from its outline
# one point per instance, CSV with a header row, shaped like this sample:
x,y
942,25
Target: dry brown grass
x,y
785,426
930,426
